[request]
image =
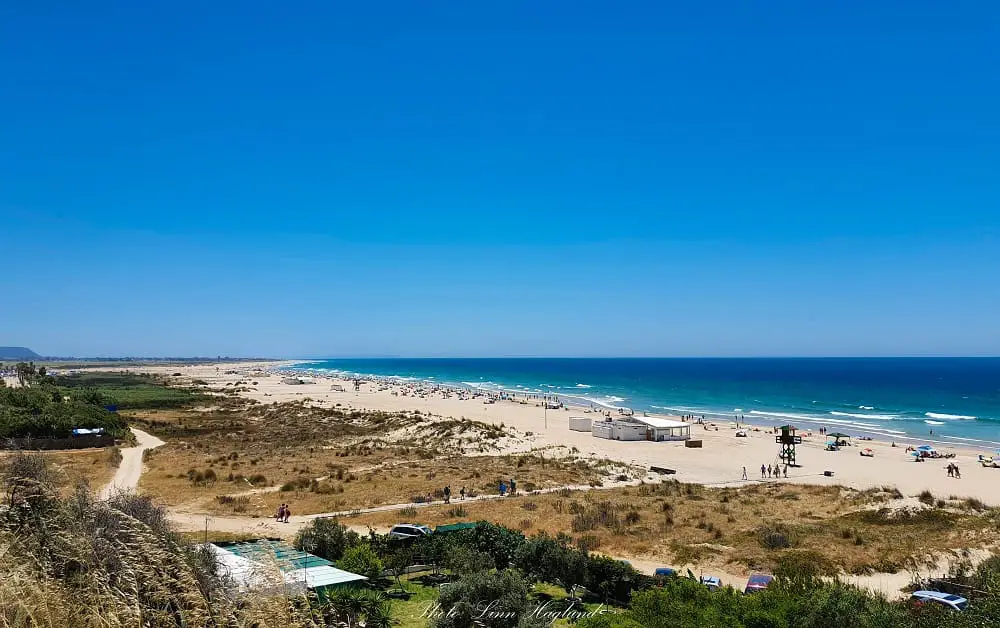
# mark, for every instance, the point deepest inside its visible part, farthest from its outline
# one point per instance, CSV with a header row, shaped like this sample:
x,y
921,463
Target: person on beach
x,y
281,513
447,494
744,473
786,470
763,472
513,487
288,513
769,470
951,472
503,488
461,493
958,474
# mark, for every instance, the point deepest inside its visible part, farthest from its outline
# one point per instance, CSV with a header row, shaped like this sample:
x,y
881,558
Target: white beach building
x,y
601,429
579,423
628,430
664,429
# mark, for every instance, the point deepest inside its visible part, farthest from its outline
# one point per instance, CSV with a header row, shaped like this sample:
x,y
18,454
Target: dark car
x,y
758,582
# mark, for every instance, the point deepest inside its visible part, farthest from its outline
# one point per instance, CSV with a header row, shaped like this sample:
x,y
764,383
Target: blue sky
x,y
511,178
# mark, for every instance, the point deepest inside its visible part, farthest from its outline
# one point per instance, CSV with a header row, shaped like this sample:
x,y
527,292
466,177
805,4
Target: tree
x,y
327,538
397,562
463,560
553,560
362,560
499,542
496,599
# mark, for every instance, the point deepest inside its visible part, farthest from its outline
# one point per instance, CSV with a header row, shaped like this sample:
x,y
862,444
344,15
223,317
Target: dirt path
x,y
190,522
130,469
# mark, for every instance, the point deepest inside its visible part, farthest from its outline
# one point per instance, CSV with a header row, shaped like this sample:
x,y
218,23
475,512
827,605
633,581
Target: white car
x,y
954,602
409,531
712,582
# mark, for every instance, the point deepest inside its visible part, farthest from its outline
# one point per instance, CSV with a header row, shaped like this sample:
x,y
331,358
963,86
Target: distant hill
x,y
18,353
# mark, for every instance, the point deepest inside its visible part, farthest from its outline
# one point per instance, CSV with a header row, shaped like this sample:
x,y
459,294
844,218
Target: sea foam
x,y
937,415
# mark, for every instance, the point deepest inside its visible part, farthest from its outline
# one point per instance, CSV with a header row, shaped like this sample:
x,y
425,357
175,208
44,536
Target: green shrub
x,y
362,560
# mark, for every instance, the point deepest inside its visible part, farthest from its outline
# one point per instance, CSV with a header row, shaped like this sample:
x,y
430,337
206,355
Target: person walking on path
x,y
786,471
447,494
461,493
503,488
513,487
744,473
763,472
288,513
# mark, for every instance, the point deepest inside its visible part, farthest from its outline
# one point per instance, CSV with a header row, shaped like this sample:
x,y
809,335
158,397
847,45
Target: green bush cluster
x,y
42,411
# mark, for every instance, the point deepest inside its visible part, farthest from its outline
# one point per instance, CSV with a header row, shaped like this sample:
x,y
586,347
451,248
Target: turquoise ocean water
x,y
958,399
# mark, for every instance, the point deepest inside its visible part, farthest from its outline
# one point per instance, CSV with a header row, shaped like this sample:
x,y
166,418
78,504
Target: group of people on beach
x,y
953,471
769,471
284,512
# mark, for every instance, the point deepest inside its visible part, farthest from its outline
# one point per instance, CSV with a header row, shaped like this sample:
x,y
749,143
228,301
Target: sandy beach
x,y
719,462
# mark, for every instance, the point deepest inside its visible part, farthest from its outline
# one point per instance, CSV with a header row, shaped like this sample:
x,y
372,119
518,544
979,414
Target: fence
x,y
76,442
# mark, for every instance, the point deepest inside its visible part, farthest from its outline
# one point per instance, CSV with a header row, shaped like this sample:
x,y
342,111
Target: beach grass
x,y
756,527
248,459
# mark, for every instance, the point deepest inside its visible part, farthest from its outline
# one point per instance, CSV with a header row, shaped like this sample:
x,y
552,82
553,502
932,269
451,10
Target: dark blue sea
x,y
958,399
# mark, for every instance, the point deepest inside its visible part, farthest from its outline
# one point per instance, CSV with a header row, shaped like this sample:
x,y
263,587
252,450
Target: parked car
x,y
409,531
948,600
758,582
712,582
664,572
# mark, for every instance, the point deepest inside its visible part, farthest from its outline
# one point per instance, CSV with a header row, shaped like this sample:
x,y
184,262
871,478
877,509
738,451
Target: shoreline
x,y
758,419
718,462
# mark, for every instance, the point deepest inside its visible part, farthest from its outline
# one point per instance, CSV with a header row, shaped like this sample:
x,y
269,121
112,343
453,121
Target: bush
x,y
777,536
327,538
362,560
504,593
926,497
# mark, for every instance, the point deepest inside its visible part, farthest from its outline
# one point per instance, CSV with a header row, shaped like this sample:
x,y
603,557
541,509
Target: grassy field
x,y
130,390
839,529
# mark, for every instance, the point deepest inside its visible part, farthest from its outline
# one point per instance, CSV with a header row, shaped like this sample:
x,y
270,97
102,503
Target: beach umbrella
x,y
915,454
925,448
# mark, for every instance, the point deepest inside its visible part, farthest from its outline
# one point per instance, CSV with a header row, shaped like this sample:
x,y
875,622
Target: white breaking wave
x,y
936,415
929,422
786,415
606,402
583,386
866,407
737,409
882,417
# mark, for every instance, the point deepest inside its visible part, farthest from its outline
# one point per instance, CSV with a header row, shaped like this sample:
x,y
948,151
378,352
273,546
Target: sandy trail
x,y
130,469
188,522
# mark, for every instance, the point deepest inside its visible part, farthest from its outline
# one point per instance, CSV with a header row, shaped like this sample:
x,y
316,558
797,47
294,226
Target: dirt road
x,y
130,469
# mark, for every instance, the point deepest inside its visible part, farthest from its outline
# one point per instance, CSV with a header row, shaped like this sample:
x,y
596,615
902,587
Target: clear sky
x,y
500,178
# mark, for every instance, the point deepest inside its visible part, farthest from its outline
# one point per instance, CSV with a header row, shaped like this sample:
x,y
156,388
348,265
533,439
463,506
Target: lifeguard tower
x,y
788,440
